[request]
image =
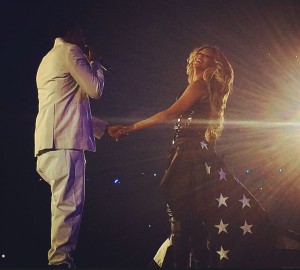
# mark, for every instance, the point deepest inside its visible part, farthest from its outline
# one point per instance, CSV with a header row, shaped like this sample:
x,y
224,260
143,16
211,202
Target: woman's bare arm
x,y
195,91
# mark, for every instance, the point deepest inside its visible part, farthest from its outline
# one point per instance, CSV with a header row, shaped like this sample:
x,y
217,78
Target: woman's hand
x,y
117,132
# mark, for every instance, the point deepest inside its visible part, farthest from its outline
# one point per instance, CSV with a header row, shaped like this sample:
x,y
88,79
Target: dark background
x,y
147,44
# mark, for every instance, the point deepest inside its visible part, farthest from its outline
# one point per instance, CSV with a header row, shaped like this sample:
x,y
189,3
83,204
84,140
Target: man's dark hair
x,y
65,18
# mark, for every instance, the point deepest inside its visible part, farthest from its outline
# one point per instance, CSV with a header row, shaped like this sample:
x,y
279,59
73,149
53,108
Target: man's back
x,y
64,118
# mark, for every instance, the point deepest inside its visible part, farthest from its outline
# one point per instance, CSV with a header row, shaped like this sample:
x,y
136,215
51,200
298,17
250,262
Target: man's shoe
x,y
58,266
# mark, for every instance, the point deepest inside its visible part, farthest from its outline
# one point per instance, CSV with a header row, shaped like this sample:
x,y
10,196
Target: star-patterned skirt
x,y
199,187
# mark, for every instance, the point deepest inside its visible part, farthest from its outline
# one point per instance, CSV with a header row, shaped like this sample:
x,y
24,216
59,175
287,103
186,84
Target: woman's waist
x,y
192,142
189,136
191,149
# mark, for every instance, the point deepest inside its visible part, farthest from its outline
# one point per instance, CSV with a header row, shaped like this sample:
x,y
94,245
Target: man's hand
x,y
117,132
114,132
91,53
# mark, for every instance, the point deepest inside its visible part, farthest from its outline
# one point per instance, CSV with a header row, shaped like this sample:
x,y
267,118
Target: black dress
x,y
215,221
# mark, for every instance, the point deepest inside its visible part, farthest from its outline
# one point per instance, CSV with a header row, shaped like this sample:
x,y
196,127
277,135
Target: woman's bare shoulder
x,y
201,86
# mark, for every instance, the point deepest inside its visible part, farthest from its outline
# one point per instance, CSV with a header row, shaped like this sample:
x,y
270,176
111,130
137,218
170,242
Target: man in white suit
x,y
66,79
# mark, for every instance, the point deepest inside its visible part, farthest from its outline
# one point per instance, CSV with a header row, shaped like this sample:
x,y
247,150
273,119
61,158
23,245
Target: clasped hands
x,y
117,132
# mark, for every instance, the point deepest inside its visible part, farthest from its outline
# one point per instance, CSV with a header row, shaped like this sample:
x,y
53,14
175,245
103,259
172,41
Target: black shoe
x,y
153,266
58,266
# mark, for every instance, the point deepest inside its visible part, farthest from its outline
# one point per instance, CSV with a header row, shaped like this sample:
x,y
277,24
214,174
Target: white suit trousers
x,y
64,170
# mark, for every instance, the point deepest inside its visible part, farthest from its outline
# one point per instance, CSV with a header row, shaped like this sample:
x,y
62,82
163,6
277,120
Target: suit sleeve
x,y
99,127
89,77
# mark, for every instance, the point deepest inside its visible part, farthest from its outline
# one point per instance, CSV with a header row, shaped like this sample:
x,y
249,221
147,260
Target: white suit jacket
x,y
65,81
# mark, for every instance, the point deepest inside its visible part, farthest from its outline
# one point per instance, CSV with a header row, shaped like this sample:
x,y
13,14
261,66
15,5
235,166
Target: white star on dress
x,y
222,227
245,202
246,228
223,253
203,145
207,168
222,174
222,200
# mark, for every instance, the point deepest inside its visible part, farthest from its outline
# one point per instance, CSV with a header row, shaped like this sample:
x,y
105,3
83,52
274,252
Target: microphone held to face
x,y
92,55
106,68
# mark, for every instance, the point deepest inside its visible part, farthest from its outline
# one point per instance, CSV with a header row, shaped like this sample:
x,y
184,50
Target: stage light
x,y
154,174
3,256
248,171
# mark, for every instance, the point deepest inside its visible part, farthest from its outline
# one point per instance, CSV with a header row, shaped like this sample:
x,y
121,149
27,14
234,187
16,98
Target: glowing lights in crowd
x,y
248,171
117,181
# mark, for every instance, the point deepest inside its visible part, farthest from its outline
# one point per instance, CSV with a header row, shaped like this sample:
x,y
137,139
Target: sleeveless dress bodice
x,y
192,125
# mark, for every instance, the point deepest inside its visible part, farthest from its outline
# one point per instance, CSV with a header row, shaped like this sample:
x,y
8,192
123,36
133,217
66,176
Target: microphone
x,y
104,66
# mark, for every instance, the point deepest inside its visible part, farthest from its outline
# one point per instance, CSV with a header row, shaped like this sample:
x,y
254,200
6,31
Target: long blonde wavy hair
x,y
219,78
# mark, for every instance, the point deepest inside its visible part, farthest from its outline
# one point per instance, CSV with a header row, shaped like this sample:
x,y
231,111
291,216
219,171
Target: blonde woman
x,y
210,212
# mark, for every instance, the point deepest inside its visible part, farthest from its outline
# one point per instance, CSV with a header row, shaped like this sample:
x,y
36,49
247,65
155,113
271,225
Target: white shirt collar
x,y
58,41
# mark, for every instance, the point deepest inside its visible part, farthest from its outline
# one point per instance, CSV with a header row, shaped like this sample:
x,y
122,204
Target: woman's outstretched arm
x,y
194,92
